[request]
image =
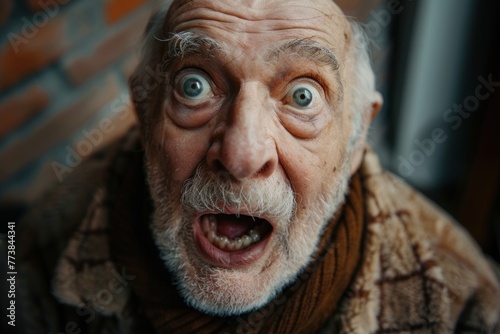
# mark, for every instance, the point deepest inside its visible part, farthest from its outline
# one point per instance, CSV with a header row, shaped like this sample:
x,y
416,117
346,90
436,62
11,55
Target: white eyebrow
x,y
183,44
308,49
186,43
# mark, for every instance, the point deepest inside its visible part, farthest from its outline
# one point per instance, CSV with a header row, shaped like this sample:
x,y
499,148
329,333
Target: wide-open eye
x,y
194,87
302,96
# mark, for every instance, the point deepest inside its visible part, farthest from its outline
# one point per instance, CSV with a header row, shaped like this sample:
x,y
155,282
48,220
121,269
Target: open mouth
x,y
229,240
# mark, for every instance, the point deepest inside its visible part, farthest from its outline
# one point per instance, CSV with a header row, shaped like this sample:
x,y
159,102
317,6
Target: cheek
x,y
313,167
177,150
182,151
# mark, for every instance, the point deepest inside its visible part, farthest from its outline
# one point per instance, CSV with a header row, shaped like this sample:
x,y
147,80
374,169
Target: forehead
x,y
259,23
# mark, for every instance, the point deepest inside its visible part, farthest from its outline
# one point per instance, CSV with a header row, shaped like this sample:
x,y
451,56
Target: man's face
x,y
248,157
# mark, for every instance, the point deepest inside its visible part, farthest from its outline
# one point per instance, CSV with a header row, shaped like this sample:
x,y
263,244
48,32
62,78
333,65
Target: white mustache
x,y
207,191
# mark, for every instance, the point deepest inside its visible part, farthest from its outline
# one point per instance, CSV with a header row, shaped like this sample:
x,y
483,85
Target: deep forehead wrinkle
x,y
289,14
292,17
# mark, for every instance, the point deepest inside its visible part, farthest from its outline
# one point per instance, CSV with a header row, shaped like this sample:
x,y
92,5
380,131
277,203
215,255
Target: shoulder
x,y
51,221
420,269
471,279
54,217
44,234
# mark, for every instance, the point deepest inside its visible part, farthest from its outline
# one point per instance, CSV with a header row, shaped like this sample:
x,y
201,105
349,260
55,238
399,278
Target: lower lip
x,y
224,259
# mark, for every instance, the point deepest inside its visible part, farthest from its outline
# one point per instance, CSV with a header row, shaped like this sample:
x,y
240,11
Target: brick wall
x,y
64,66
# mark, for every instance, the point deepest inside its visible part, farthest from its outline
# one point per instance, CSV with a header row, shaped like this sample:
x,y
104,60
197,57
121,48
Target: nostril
x,y
265,170
218,166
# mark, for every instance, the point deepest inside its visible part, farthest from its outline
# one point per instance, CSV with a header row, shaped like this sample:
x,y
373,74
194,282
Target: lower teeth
x,y
237,244
224,243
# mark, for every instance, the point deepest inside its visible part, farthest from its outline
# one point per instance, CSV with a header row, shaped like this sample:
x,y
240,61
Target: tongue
x,y
231,227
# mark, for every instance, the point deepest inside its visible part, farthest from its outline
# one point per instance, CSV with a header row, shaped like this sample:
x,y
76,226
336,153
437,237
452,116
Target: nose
x,y
244,147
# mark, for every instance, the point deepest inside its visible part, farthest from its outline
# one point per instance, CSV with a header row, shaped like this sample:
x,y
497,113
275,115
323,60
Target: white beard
x,y
228,292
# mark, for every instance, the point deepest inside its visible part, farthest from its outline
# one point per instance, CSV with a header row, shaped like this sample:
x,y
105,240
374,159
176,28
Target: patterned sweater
x,y
419,270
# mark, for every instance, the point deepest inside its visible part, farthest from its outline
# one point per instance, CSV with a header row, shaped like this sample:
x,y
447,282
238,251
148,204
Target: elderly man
x,y
249,202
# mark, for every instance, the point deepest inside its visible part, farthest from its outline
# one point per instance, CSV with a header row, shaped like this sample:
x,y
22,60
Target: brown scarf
x,y
304,307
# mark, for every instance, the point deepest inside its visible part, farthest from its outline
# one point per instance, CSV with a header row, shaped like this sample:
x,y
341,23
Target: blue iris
x,y
193,87
302,97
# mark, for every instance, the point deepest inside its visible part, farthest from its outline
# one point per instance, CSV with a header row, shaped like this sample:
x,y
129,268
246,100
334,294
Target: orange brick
x,y
42,5
31,56
19,108
44,177
26,53
83,66
117,9
5,10
57,129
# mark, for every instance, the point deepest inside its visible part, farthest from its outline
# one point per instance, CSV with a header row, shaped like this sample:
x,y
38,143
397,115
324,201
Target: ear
x,y
368,117
376,105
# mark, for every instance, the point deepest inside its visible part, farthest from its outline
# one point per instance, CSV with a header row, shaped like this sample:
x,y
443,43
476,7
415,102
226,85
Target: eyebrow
x,y
186,43
308,49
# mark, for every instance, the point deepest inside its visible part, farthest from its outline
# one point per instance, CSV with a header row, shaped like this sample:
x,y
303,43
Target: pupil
x,y
303,97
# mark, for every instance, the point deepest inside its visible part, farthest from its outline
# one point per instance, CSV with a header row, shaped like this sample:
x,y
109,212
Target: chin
x,y
226,290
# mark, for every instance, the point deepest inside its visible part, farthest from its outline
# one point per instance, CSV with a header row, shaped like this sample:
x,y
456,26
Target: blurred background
x,y
64,66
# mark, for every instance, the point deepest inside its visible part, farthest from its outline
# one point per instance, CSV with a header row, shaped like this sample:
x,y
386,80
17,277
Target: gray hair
x,y
363,81
363,78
